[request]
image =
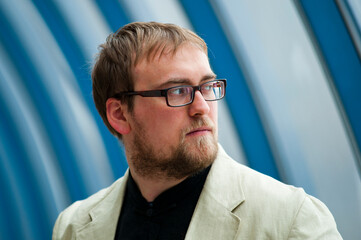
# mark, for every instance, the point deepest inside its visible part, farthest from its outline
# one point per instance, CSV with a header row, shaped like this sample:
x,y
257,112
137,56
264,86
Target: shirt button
x,y
149,212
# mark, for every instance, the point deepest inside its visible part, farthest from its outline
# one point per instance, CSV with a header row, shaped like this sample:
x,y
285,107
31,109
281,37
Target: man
x,y
155,90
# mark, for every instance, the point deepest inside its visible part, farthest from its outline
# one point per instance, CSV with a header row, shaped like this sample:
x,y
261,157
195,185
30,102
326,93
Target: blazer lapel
x,y
211,221
213,217
104,217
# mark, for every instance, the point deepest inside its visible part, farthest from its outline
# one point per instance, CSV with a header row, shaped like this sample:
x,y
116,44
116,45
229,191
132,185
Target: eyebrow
x,y
186,81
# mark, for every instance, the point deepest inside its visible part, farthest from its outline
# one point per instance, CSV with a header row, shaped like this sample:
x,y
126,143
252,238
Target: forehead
x,y
188,61
154,52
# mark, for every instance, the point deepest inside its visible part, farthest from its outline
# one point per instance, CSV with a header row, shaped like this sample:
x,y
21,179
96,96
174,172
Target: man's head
x,y
122,51
160,140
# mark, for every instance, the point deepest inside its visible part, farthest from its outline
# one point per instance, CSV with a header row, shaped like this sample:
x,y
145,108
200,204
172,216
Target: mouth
x,y
199,131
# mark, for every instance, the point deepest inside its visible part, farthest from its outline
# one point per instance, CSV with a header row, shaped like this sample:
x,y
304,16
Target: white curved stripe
x,y
86,24
355,7
169,11
34,137
21,212
64,93
293,93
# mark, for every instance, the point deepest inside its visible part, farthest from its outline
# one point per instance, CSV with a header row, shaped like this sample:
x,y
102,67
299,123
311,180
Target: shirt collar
x,y
168,198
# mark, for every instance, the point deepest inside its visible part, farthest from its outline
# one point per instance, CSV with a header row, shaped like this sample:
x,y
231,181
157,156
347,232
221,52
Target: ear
x,y
117,116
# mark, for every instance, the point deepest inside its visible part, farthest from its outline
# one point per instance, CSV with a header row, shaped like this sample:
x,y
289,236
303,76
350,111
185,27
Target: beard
x,y
185,159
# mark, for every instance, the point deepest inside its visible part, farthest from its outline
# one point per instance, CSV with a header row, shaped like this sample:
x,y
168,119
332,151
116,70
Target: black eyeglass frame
x,y
163,92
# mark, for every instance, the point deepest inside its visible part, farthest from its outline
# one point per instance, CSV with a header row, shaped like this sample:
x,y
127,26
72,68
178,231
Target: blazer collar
x,y
104,216
222,193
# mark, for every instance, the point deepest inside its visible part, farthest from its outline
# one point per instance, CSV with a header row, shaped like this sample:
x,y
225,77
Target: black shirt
x,y
167,217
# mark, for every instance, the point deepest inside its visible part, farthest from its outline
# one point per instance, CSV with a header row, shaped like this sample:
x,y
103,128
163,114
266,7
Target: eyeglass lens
x,y
179,96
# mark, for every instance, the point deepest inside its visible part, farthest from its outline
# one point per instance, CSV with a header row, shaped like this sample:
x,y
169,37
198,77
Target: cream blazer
x,y
236,203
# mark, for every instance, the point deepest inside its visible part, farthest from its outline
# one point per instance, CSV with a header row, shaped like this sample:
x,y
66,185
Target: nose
x,y
199,106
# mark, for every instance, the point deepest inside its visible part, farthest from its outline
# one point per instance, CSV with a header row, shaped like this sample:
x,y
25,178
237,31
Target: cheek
x,y
168,122
159,122
213,113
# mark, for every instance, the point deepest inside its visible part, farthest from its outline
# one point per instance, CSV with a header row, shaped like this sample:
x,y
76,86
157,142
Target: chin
x,y
203,150
204,144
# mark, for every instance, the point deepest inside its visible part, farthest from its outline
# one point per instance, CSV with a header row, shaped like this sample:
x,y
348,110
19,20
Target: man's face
x,y
172,142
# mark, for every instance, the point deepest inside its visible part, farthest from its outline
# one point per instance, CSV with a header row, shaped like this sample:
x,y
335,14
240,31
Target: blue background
x,y
55,148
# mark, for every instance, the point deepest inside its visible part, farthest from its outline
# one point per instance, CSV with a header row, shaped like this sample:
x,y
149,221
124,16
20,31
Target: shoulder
x,y
256,184
78,214
250,183
268,198
282,210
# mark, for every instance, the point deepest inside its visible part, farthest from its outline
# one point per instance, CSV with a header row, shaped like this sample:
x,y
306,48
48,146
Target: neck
x,y
151,188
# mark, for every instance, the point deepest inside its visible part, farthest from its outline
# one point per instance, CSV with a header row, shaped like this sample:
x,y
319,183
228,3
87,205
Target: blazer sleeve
x,y
62,229
314,221
68,222
58,233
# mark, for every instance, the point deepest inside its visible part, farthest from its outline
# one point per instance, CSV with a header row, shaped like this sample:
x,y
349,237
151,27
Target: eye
x,y
180,91
209,86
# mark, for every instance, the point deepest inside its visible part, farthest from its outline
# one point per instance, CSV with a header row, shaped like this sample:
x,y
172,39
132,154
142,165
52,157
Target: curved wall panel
x,y
55,149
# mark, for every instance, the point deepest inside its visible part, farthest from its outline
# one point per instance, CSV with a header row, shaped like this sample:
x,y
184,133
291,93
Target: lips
x,y
200,130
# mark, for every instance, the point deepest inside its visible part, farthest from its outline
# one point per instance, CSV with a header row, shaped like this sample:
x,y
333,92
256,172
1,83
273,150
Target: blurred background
x,y
292,110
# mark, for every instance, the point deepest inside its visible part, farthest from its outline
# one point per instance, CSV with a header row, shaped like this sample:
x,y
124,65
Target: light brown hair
x,y
117,57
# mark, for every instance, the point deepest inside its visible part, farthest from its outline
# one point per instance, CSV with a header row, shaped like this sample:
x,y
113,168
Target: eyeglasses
x,y
184,95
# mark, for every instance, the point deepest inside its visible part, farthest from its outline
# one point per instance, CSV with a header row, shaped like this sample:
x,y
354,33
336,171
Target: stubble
x,y
186,159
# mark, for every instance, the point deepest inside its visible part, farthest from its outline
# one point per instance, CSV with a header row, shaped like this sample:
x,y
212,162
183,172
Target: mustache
x,y
198,123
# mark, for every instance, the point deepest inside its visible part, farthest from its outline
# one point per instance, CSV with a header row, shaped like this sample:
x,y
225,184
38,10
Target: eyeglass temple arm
x,y
151,93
